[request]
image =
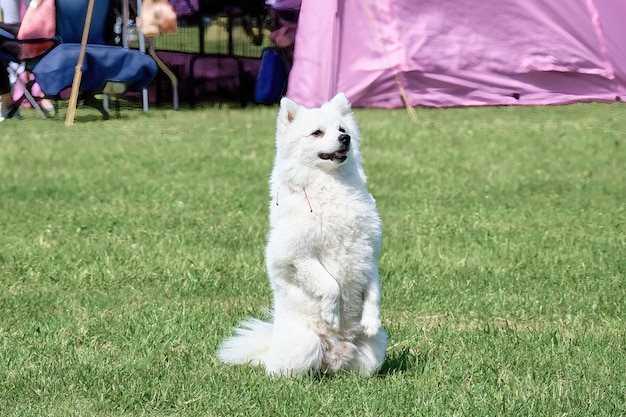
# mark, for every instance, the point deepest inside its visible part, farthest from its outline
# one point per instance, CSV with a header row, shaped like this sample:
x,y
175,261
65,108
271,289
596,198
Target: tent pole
x,y
405,98
78,70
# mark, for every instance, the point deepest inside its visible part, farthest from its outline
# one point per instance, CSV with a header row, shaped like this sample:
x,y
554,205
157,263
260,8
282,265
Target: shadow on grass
x,y
83,118
404,360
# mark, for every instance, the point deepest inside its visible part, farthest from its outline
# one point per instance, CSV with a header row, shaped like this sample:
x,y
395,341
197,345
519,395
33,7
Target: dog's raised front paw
x,y
370,322
370,328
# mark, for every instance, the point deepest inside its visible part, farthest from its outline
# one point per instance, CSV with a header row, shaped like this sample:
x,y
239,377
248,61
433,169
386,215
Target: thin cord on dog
x,y
305,196
307,199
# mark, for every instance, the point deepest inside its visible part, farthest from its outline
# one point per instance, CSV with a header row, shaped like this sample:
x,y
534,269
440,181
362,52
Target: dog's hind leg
x,y
338,354
370,354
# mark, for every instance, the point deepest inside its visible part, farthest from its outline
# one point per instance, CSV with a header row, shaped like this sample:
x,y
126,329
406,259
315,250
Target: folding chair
x,y
105,67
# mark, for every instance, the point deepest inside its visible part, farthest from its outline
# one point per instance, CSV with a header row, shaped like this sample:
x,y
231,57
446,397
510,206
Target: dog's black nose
x,y
344,139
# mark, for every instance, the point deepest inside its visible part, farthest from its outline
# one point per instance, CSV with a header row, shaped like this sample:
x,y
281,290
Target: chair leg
x,y
26,95
163,66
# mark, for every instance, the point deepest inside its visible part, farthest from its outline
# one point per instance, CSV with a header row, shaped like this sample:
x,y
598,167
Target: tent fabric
x,y
459,53
102,63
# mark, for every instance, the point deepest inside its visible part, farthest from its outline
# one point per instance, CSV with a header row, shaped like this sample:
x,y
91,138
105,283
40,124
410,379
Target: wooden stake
x,y
78,70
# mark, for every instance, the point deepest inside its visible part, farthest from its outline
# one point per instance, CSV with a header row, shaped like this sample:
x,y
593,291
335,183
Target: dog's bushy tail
x,y
249,345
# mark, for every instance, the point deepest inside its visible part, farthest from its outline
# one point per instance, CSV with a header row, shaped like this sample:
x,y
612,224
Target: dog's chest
x,y
333,220
346,217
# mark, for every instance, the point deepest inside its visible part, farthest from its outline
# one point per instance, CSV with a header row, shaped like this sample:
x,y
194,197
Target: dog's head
x,y
326,137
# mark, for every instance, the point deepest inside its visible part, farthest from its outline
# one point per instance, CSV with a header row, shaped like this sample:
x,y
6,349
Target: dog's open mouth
x,y
339,156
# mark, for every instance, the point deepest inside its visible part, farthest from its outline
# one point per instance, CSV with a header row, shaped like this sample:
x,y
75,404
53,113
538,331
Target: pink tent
x,y
382,53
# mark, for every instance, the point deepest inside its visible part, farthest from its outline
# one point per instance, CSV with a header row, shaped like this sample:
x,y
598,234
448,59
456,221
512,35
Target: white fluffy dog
x,y
322,251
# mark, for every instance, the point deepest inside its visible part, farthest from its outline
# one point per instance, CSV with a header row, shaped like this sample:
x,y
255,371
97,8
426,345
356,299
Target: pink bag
x,y
39,21
37,30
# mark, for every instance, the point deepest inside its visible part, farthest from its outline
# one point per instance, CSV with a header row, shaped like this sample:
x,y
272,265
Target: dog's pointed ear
x,y
340,101
288,110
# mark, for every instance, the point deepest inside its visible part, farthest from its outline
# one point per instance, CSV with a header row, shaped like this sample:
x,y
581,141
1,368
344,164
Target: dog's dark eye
x,y
342,130
318,133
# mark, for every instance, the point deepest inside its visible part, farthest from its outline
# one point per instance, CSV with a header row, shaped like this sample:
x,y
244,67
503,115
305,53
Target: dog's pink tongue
x,y
340,154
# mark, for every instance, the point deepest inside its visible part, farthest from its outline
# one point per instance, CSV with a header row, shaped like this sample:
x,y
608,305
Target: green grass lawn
x,y
129,248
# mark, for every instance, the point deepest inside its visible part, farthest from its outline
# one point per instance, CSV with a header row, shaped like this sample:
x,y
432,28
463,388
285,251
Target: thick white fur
x,y
322,251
